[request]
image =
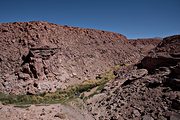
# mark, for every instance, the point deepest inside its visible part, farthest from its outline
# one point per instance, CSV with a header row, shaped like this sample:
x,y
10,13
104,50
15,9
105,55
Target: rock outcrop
x,y
145,45
41,57
136,94
167,53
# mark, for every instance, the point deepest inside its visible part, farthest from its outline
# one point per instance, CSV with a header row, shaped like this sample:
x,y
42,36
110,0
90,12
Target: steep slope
x,y
145,45
135,94
40,57
167,53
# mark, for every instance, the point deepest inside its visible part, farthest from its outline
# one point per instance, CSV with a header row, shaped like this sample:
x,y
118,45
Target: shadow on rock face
x,y
166,54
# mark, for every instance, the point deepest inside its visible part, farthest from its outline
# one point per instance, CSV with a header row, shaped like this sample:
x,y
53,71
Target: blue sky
x,y
133,18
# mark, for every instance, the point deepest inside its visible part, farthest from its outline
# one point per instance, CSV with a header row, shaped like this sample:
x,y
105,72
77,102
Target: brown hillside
x,y
137,95
40,56
145,45
167,53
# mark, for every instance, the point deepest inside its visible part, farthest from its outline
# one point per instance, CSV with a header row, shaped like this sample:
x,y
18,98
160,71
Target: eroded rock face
x,y
41,52
135,94
167,53
145,45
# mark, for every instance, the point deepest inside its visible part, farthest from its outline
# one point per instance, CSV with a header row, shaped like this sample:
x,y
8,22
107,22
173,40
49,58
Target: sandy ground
x,y
49,112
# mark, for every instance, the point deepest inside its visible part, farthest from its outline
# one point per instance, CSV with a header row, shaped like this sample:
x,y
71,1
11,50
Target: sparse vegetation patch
x,y
60,96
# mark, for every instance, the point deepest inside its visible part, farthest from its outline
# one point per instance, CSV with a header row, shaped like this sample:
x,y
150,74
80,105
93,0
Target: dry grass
x,y
61,96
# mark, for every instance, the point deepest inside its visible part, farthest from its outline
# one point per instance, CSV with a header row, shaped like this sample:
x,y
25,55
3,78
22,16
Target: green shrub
x,y
60,96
